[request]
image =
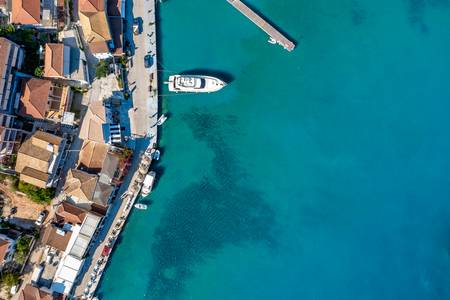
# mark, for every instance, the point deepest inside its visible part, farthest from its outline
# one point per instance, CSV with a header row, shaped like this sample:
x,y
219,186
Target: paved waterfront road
x,y
142,81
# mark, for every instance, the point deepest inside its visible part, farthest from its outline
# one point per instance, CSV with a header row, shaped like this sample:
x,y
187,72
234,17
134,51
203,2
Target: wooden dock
x,y
274,35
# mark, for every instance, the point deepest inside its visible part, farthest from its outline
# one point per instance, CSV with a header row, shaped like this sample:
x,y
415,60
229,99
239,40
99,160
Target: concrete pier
x,y
274,34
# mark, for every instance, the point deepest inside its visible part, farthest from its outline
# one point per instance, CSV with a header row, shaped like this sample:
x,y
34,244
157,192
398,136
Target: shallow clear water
x,y
318,174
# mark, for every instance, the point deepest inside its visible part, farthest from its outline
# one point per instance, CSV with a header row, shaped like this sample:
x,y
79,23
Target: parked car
x,y
148,60
40,219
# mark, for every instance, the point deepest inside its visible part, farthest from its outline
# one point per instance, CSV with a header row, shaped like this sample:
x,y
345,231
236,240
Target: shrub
x,y
102,69
39,195
10,278
123,61
39,72
6,30
22,249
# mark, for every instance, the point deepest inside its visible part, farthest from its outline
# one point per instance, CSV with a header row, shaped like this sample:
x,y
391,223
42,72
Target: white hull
x,y
140,206
161,120
148,184
194,84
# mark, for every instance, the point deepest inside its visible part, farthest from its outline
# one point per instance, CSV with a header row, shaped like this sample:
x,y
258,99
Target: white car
x,y
40,219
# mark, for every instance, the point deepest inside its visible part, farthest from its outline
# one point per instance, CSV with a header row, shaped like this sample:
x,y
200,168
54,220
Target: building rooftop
x,y
56,237
91,5
41,99
68,213
36,155
109,168
34,99
39,175
96,31
54,60
66,274
38,146
92,155
80,184
85,235
4,244
5,48
94,120
30,292
26,11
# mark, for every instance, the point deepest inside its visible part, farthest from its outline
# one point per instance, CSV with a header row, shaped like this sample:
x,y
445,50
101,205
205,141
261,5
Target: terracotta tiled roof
x,y
92,126
92,5
36,153
95,30
39,175
34,99
102,193
56,238
80,184
48,137
4,244
5,46
26,12
54,60
29,149
30,292
69,213
92,156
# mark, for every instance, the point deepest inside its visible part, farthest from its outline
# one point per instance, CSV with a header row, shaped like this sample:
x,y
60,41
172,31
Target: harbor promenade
x,y
142,80
143,115
274,35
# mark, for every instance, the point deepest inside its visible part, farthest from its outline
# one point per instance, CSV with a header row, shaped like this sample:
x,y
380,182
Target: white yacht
x,y
194,84
148,183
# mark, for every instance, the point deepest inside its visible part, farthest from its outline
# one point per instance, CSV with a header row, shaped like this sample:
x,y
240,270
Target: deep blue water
x,y
318,174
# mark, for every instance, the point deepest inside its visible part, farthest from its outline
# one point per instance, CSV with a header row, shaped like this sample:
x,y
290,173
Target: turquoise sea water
x,y
318,174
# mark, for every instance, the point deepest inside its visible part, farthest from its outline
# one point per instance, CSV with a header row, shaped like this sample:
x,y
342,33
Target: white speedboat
x,y
148,183
140,206
161,120
194,84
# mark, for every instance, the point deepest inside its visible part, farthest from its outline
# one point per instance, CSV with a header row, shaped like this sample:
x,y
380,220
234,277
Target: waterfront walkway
x,y
143,115
142,81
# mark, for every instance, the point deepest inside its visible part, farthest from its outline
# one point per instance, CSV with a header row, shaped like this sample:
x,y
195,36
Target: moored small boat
x,y
140,206
161,120
156,154
148,183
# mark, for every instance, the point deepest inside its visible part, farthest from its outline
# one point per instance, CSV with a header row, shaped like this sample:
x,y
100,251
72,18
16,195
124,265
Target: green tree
x,y
39,195
23,247
123,61
39,72
10,278
23,244
102,69
7,30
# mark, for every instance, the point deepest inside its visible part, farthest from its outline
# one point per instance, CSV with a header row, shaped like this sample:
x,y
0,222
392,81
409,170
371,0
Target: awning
x,y
106,251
